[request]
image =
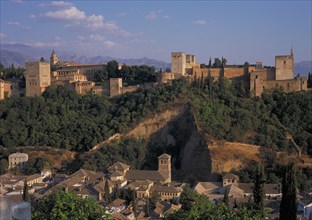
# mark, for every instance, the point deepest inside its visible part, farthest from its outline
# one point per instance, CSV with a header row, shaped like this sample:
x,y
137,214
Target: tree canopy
x,y
62,205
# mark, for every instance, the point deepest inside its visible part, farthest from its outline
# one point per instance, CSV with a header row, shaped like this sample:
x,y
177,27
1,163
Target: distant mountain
x,y
303,68
18,59
19,54
104,59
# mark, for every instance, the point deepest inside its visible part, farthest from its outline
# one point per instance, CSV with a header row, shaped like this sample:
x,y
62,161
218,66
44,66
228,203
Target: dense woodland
x,y
131,75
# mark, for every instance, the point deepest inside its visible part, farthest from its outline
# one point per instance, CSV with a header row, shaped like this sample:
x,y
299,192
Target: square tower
x,y
164,166
37,77
178,63
284,67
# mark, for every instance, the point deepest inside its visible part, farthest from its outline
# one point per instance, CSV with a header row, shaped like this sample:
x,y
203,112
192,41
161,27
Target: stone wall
x,y
292,85
83,88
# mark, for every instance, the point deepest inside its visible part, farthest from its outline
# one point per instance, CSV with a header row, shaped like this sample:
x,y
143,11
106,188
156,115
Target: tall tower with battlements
x,y
284,66
37,78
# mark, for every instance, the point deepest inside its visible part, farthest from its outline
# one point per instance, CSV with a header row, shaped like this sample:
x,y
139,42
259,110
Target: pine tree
x,y
288,208
258,189
209,65
226,197
25,192
106,191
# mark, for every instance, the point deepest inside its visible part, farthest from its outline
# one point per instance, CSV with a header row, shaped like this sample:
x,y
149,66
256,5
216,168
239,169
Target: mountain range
x,y
19,54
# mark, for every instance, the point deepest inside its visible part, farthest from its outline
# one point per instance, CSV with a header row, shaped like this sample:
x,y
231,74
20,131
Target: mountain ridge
x,y
19,54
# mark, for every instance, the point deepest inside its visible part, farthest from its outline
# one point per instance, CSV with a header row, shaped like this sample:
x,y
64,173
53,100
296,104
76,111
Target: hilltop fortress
x,y
80,77
255,77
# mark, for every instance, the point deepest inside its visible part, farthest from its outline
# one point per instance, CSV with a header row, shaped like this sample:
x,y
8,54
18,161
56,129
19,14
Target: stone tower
x,y
178,63
37,77
164,166
53,58
284,66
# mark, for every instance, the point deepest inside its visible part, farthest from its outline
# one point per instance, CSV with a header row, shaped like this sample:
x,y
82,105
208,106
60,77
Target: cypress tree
x,y
106,191
134,204
25,192
147,211
209,65
288,208
309,80
258,189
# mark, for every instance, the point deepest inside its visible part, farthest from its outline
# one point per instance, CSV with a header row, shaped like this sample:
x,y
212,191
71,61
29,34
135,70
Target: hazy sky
x,y
238,30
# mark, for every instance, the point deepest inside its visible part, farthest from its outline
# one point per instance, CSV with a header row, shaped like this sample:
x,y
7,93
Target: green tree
x,y
209,64
134,203
309,80
112,69
25,191
106,191
42,59
147,207
3,166
217,63
258,190
68,206
288,208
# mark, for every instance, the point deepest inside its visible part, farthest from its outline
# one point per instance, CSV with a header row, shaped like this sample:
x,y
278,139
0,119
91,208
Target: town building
x,y
18,159
215,190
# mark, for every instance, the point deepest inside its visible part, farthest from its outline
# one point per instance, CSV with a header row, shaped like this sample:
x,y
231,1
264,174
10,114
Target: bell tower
x,y
53,59
164,166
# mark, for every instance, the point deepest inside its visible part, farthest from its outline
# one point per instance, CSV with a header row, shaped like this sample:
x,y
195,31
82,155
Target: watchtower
x,y
284,66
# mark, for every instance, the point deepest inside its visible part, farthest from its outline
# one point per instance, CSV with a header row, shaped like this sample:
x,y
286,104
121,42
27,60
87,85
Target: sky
x,y
237,30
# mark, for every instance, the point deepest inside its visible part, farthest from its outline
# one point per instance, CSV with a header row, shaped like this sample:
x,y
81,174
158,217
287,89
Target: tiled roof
x,y
144,174
203,187
164,156
230,176
118,166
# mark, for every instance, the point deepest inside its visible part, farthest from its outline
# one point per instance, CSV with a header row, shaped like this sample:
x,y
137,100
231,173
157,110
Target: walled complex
x,y
79,77
255,77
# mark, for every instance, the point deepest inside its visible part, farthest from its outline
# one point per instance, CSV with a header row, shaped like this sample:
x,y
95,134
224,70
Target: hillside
x,y
207,133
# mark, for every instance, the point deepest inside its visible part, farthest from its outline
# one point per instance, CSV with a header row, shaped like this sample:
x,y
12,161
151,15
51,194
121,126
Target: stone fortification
x,y
37,77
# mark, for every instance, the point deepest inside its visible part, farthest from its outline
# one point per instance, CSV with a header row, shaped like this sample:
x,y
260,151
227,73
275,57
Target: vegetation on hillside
x,y
63,119
63,205
228,112
196,206
131,75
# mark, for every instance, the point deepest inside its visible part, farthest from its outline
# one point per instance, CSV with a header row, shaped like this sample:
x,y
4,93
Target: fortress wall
x,y
293,85
129,89
268,74
230,72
